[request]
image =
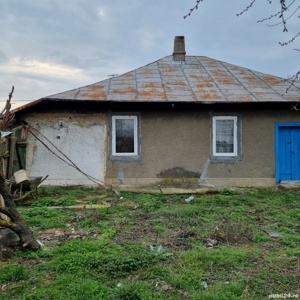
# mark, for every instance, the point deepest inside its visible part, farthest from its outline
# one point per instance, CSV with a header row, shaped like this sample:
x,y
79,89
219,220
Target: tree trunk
x,y
9,216
15,221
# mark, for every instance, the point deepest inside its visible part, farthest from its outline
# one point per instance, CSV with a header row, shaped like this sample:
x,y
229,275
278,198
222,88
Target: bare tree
x,y
285,11
9,215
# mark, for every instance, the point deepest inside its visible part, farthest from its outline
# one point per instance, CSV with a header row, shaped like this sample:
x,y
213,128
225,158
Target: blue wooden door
x,y
288,153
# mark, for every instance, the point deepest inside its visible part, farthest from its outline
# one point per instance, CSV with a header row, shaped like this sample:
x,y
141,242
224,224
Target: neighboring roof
x,y
14,103
198,79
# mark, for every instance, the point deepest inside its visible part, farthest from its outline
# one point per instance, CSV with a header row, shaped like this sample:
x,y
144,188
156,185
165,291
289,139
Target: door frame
x,y
279,125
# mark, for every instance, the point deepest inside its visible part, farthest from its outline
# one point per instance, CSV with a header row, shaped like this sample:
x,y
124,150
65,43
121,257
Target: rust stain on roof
x,y
227,81
95,88
126,90
174,82
273,80
218,73
154,94
204,84
242,98
199,79
93,96
210,95
150,85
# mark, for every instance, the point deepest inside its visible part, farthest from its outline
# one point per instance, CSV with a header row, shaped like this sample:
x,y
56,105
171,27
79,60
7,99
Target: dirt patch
x,y
231,234
171,239
51,237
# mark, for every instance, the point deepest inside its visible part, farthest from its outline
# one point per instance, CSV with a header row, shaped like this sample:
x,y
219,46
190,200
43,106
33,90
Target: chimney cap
x,y
179,49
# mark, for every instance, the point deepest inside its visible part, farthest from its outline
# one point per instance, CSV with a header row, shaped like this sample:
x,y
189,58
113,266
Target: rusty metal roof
x,y
198,79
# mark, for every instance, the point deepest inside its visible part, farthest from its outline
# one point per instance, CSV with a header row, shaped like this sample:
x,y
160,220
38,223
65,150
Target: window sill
x,y
225,159
125,157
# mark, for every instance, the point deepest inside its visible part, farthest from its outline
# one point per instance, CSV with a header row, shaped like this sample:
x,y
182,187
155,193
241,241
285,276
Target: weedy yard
x,y
154,246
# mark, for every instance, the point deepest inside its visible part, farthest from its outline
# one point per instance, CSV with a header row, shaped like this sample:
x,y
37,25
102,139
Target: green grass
x,y
45,218
155,247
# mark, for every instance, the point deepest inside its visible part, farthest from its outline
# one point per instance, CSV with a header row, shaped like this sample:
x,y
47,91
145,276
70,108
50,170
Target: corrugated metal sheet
x,y
198,79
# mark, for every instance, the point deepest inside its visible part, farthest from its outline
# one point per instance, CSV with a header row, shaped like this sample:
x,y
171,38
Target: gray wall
x,y
176,147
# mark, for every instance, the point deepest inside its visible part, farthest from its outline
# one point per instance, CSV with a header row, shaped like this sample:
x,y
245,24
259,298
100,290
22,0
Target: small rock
x,y
189,199
290,184
272,233
210,243
8,238
204,284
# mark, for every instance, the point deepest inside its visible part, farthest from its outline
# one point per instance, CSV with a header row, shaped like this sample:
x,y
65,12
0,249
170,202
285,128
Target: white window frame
x,y
135,124
235,136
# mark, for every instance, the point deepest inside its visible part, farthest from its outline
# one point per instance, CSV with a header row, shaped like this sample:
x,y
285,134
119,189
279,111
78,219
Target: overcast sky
x,y
51,46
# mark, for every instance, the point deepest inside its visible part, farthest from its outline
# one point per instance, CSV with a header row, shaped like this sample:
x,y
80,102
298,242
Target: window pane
x,y
224,136
124,135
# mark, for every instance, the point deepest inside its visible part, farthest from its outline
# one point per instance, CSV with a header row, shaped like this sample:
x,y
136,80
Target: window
x,y
124,135
225,136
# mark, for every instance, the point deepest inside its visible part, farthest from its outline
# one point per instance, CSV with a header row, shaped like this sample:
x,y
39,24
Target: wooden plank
x,y
12,147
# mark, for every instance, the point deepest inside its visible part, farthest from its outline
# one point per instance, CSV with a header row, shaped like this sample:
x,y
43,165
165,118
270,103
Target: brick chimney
x,y
179,49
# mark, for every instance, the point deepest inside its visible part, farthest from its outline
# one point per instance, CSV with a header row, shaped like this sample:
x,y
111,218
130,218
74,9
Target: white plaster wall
x,y
82,142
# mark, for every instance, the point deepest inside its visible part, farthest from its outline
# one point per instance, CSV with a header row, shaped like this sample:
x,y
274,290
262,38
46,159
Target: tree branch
x,y
290,41
247,8
6,115
281,16
192,9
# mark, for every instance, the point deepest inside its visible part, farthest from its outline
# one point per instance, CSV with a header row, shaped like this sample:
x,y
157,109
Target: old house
x,y
181,120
